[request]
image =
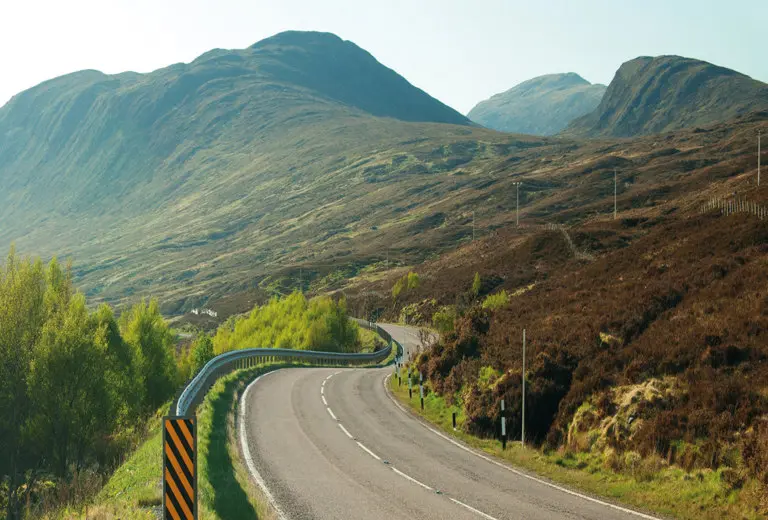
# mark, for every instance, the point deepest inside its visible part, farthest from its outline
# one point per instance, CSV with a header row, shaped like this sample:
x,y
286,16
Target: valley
x,y
242,181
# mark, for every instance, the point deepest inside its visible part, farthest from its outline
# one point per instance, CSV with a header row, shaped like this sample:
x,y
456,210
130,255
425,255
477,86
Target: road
x,y
332,444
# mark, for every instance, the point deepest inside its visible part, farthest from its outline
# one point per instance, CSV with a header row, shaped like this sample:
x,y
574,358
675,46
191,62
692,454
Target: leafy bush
x,y
202,351
496,301
408,282
443,320
292,322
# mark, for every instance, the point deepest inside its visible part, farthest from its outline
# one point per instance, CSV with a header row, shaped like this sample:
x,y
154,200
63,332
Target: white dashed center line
x,y
462,504
345,431
369,452
372,454
408,477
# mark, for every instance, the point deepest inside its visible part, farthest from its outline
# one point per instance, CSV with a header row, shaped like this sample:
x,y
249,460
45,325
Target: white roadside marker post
x,y
503,428
421,389
522,437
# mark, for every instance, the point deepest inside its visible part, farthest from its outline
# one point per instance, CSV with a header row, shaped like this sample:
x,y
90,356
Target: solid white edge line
x,y
247,452
408,477
345,431
331,412
372,454
516,472
462,504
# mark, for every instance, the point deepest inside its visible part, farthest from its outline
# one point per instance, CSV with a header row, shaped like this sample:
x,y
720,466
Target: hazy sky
x,y
460,51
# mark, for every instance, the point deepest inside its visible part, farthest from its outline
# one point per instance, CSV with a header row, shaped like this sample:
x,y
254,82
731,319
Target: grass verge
x,y
226,490
670,491
134,490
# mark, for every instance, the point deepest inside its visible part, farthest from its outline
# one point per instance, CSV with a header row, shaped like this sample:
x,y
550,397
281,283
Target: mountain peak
x,y
664,93
299,38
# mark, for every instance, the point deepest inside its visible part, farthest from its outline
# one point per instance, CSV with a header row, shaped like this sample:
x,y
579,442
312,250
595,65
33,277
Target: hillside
x,y
540,106
300,161
646,347
171,178
654,95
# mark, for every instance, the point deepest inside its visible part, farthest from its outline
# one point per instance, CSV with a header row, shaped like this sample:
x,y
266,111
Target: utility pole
x,y
517,213
758,157
522,437
615,211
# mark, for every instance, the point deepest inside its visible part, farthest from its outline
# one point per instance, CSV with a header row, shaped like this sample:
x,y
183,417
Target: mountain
x,y
196,176
653,95
540,106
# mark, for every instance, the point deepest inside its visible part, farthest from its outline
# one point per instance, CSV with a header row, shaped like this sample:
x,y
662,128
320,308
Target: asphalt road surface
x,y
332,444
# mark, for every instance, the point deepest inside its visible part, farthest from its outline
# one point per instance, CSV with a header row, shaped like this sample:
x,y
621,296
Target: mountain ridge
x,y
665,93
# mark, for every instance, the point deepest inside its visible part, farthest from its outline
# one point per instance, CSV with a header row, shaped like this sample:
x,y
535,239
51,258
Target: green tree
x,y
397,289
412,281
68,385
144,328
476,285
292,322
202,351
22,315
123,373
496,301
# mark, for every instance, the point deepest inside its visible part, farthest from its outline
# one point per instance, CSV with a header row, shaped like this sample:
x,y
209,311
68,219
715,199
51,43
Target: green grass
x,y
225,488
369,340
135,488
670,491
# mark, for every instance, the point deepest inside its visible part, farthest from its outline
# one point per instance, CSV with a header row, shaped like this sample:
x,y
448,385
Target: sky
x,y
459,51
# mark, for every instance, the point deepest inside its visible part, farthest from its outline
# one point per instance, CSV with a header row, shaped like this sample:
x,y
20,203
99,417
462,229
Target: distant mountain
x,y
193,177
540,106
82,142
653,95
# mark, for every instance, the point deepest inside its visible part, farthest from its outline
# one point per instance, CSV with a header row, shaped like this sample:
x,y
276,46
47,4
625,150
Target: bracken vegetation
x,y
652,355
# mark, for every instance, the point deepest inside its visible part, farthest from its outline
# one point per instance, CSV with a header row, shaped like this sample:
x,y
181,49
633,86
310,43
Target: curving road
x,y
332,444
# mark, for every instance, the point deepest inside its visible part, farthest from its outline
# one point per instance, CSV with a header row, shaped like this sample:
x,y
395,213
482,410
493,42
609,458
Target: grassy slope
x,y
235,170
671,491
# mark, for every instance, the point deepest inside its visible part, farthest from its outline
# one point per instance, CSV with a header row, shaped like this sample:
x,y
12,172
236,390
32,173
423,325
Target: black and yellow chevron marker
x,y
179,468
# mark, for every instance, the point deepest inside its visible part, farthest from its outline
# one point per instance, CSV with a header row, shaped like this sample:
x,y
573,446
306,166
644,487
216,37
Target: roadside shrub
x,y
443,319
292,322
496,301
408,282
632,460
476,285
611,460
202,351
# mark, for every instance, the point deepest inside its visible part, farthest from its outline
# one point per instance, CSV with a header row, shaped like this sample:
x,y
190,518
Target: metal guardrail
x,y
224,363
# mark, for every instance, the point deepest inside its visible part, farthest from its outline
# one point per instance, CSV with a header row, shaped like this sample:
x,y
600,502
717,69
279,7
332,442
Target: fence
x,y
729,206
579,254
